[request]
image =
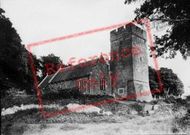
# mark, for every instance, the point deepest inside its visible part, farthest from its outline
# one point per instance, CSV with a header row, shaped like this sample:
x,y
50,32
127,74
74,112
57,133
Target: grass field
x,y
127,118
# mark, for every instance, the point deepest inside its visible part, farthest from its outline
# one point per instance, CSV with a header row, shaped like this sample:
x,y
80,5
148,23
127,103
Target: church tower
x,y
129,63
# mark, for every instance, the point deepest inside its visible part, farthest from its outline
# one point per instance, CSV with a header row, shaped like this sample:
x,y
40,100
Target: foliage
x,y
171,82
69,93
153,81
36,63
177,14
13,100
14,70
50,61
172,85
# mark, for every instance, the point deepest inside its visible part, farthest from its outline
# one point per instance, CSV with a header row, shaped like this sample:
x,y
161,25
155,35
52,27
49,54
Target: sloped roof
x,y
72,72
45,81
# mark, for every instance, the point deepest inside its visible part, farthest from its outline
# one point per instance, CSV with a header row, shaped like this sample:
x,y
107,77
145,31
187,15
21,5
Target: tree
x,y
172,85
36,63
50,64
153,81
13,56
177,14
171,82
15,67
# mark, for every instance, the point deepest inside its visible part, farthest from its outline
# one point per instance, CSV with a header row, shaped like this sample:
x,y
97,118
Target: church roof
x,y
72,72
45,81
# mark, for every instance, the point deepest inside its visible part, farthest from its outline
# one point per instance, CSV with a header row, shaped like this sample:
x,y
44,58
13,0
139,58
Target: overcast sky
x,y
37,20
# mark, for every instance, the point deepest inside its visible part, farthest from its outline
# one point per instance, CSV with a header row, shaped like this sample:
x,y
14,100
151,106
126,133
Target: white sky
x,y
37,20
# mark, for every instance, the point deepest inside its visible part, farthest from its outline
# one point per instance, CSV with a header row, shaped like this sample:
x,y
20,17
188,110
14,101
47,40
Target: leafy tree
x,y
15,64
50,64
36,63
177,14
172,85
13,56
153,81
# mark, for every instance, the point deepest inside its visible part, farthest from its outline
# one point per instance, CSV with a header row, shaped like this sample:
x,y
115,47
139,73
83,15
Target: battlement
x,y
126,31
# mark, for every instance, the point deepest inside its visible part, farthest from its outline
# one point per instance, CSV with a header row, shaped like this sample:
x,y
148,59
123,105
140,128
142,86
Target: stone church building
x,y
125,74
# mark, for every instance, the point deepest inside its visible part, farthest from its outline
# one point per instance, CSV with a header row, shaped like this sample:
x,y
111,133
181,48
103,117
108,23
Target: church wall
x,y
100,71
89,85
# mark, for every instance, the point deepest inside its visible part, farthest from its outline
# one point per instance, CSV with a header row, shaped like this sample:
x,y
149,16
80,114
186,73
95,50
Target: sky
x,y
37,20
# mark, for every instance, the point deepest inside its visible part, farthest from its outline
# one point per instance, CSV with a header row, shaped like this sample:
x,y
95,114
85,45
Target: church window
x,y
102,84
83,84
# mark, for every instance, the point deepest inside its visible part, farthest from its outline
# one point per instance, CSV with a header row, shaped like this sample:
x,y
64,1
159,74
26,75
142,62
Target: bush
x,y
15,92
62,95
11,100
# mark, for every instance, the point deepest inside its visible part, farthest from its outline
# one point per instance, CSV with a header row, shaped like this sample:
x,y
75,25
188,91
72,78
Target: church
x,y
126,73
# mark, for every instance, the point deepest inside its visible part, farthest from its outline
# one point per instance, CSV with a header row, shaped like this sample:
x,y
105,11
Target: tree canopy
x,y
13,56
172,85
177,14
50,63
15,67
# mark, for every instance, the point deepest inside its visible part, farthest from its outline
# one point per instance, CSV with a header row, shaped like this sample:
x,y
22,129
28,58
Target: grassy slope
x,y
167,119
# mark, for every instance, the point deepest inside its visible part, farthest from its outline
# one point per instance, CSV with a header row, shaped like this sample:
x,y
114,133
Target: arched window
x,y
83,84
102,84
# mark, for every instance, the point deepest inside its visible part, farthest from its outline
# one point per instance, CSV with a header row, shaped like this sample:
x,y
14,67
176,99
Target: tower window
x,y
121,91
